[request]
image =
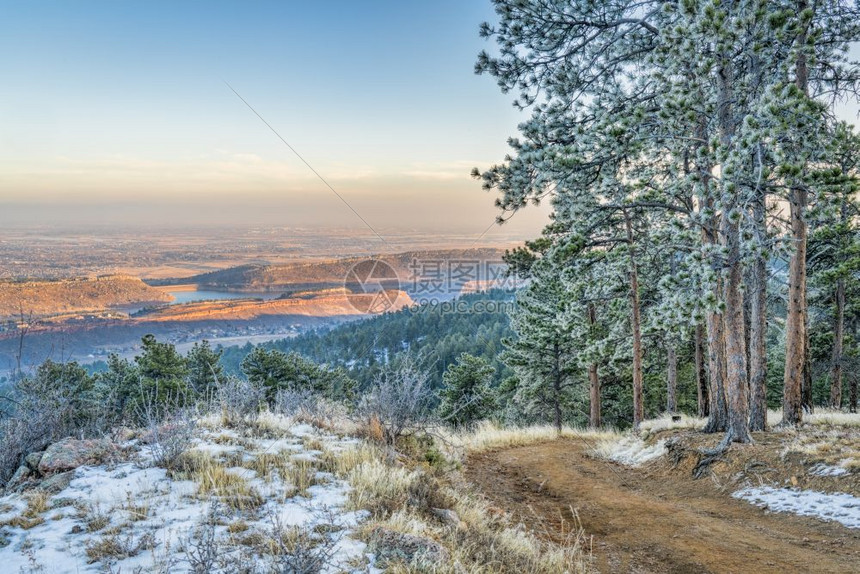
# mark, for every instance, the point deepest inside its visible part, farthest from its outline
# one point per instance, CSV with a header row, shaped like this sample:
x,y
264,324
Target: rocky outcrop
x,y
57,483
32,460
21,476
69,454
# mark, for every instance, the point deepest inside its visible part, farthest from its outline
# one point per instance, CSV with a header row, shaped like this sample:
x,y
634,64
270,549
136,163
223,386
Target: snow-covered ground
x,y
843,508
133,517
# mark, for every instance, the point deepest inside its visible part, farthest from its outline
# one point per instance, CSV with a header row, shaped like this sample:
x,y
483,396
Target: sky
x,y
120,112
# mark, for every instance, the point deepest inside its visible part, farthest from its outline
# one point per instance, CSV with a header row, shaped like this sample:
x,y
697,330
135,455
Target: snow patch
x,y
839,507
138,499
827,470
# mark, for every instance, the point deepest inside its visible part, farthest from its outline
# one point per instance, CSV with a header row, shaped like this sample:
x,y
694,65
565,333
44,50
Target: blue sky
x,y
109,103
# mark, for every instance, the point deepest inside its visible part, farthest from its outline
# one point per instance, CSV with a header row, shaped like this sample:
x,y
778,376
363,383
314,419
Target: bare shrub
x,y
169,427
239,401
55,402
400,401
289,402
202,549
114,547
297,550
18,437
309,407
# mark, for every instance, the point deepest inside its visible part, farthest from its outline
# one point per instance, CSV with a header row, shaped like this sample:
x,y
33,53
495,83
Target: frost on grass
x,y
232,499
839,507
630,450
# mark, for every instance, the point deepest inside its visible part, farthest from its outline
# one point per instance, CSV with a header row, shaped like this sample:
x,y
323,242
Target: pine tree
x,y
543,354
204,368
163,373
467,396
624,118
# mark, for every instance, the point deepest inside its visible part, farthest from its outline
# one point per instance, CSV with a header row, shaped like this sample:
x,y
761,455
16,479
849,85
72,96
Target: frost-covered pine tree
x,y
623,116
544,354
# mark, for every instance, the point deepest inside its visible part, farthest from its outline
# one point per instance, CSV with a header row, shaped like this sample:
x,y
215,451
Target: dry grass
x,y
136,510
232,489
664,422
38,502
313,443
237,527
821,417
836,446
267,465
832,418
96,522
402,499
487,436
214,479
302,474
114,547
378,487
269,424
340,463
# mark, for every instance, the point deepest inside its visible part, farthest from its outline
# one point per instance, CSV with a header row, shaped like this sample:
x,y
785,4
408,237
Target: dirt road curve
x,y
655,520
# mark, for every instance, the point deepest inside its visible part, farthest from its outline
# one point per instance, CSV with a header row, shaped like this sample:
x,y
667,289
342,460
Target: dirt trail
x,y
655,520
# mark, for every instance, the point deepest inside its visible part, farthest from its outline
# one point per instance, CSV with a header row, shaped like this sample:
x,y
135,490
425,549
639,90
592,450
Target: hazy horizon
x,y
121,113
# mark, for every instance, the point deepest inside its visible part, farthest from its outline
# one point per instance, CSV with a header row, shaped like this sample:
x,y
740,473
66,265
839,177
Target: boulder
x,y
69,454
22,475
448,517
57,483
32,459
389,545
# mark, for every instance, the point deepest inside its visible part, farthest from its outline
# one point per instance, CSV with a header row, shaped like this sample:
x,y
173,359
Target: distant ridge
x,y
42,298
329,274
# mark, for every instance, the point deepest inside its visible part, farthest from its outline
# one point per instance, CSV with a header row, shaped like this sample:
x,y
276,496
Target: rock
x,y
57,483
125,434
448,517
22,475
32,459
389,545
70,453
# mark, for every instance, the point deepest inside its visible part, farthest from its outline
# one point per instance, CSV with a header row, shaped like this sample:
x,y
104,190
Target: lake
x,y
192,296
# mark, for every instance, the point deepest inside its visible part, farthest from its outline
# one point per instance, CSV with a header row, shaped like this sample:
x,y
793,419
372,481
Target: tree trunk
x,y
716,394
736,355
717,411
671,380
852,396
594,392
838,336
758,335
795,323
556,387
701,381
594,381
638,408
